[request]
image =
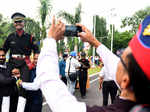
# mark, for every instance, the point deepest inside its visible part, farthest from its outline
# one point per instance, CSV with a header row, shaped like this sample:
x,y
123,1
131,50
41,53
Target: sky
x,y
113,10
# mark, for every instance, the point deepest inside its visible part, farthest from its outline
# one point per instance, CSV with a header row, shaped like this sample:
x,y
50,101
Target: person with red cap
x,y
131,72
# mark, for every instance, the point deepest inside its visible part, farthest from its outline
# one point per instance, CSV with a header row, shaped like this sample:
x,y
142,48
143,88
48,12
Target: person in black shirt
x,y
20,44
83,72
7,85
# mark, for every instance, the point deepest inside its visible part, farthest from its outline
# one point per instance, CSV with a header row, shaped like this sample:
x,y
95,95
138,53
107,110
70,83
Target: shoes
x,y
83,96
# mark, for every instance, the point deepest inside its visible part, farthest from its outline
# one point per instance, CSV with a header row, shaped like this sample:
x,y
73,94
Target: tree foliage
x,y
73,43
101,31
134,21
45,9
32,27
4,29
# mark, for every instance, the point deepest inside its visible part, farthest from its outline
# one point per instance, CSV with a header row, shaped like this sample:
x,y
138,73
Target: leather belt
x,y
18,56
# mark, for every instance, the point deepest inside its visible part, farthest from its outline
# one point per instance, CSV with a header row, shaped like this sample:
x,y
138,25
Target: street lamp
x,y
94,31
112,38
112,34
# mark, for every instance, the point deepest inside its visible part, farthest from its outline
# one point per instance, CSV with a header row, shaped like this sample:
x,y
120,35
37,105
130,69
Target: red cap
x,y
140,45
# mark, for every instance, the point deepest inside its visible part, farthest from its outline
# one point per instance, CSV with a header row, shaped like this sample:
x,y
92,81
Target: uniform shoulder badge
x,y
147,31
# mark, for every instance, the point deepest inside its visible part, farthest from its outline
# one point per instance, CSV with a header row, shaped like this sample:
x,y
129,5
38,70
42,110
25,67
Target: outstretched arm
x,y
30,86
55,91
109,59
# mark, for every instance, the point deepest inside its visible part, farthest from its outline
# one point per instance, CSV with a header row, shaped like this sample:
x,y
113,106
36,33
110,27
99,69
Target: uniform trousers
x,y
82,82
64,79
109,87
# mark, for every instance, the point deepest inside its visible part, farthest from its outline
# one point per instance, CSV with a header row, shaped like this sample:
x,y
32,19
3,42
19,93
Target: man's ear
x,y
125,81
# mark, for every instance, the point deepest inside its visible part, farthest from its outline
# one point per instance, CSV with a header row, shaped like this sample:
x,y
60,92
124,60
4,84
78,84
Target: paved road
x,y
94,96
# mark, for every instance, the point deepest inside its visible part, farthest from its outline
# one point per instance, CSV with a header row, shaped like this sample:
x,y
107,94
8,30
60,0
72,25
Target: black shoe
x,y
83,97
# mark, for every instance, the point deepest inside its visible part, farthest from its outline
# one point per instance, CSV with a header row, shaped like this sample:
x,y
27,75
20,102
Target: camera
x,y
72,30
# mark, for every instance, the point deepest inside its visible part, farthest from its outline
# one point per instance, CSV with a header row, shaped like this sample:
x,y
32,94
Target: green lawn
x,y
94,70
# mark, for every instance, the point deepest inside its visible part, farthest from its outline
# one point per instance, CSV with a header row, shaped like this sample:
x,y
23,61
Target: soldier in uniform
x,y
83,74
7,85
20,44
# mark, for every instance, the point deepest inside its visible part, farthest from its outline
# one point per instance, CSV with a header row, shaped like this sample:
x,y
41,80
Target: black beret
x,y
18,16
65,55
83,54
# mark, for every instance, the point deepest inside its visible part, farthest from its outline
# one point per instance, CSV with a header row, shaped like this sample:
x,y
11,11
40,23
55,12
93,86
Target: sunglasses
x,y
20,21
2,55
124,65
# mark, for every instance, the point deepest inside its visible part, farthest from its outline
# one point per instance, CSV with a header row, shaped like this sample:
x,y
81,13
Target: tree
x,y
72,19
32,27
134,21
4,29
101,31
121,40
60,47
45,9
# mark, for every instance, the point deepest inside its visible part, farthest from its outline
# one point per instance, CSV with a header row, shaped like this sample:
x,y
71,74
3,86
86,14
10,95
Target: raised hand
x,y
56,31
87,36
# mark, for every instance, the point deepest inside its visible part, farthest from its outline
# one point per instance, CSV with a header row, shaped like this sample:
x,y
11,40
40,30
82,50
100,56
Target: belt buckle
x,y
18,56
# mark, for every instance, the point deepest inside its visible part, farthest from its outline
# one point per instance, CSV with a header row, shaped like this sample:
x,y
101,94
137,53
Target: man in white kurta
x,y
55,91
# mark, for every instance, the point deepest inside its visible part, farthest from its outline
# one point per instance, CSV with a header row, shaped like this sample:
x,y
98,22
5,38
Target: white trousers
x,y
21,104
5,104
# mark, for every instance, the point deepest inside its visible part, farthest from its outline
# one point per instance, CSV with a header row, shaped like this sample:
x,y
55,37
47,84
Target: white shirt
x,y
55,91
31,85
105,75
74,63
110,61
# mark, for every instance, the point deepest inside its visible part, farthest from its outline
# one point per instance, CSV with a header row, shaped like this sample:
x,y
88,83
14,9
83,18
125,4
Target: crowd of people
x,y
23,82
77,67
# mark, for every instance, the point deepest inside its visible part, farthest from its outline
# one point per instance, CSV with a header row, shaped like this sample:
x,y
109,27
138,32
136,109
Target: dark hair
x,y
139,83
2,49
83,54
65,55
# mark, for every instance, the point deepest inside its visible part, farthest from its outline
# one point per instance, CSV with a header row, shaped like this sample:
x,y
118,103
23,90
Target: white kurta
x,y
55,91
110,61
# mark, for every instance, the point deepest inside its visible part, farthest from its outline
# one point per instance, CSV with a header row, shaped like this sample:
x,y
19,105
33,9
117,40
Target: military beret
x,y
140,46
83,54
18,16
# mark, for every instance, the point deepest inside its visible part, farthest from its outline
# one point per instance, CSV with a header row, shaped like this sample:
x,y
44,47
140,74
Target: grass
x,y
94,70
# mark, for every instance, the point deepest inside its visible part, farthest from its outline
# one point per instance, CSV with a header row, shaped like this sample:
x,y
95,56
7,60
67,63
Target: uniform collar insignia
x,y
147,31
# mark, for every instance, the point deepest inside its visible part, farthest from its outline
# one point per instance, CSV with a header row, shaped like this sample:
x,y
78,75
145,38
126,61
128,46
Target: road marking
x,y
94,80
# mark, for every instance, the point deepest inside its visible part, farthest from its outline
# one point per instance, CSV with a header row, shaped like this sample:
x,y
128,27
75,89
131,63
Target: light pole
x,y
112,33
94,31
112,36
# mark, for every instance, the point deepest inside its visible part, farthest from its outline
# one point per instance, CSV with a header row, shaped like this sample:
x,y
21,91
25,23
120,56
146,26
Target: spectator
x,y
34,98
71,65
108,86
62,66
83,74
